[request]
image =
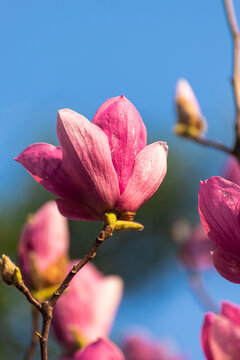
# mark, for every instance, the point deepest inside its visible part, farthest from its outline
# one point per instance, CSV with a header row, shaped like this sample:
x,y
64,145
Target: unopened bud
x,y
190,119
10,273
122,225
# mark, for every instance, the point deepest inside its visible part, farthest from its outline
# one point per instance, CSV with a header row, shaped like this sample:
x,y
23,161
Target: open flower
x,y
87,310
101,349
190,119
221,334
101,166
218,202
43,247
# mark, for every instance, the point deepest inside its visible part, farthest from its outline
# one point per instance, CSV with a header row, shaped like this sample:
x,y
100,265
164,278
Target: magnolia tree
x,y
104,171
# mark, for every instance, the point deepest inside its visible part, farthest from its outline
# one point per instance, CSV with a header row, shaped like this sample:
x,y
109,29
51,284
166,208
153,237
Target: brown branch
x,y
233,23
34,341
200,292
26,292
47,306
211,143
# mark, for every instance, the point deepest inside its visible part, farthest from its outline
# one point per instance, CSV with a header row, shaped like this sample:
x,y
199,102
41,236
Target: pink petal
x,y
225,339
87,160
109,297
232,170
45,236
82,307
218,202
231,311
228,265
126,133
76,211
206,334
141,347
44,163
149,170
102,349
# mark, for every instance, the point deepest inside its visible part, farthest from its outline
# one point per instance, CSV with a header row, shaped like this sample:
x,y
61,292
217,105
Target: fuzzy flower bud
x,y
9,271
190,119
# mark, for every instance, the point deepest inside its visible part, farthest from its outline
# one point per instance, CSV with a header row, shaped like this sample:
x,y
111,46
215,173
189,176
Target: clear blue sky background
x,y
76,54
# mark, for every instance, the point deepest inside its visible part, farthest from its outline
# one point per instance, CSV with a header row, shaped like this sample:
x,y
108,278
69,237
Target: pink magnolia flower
x,y
141,348
88,308
231,171
221,334
101,349
43,247
218,202
100,166
195,251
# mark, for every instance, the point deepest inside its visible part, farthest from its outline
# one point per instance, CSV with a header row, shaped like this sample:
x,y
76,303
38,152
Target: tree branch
x,y
233,23
34,341
48,305
211,143
26,292
200,292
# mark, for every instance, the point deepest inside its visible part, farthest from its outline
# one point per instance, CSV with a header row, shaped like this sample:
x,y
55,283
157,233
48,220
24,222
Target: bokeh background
x,y
77,54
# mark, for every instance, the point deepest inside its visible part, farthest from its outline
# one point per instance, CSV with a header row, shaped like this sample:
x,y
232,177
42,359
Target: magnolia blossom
x,y
195,251
218,202
231,170
43,247
100,166
190,119
87,310
221,334
101,349
138,347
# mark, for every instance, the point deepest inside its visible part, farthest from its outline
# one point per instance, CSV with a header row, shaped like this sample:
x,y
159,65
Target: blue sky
x,y
76,54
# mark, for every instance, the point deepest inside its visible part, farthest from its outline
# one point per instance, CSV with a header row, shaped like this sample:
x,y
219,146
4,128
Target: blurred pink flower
x,y
100,166
88,307
138,347
195,251
231,171
221,334
101,349
218,202
43,247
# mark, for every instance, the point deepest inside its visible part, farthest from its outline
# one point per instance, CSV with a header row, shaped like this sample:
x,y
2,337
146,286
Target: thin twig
x,y
233,23
210,143
47,306
200,292
26,292
34,340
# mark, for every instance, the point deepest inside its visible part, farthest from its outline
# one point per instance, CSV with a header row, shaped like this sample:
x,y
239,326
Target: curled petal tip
x,y
164,145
